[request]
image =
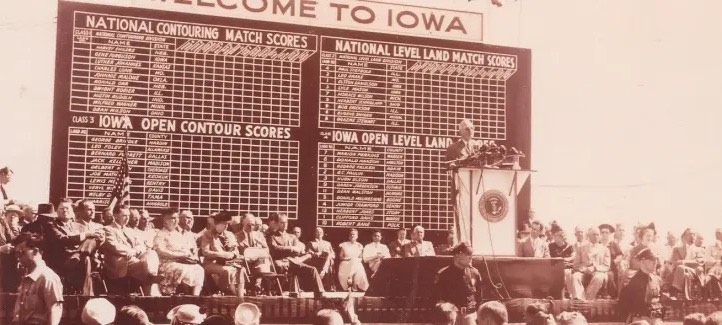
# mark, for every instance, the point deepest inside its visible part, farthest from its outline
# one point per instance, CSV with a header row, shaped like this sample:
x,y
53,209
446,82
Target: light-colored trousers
x,y
595,284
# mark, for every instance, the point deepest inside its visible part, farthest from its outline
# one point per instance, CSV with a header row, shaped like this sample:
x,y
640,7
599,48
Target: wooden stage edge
x,y
369,309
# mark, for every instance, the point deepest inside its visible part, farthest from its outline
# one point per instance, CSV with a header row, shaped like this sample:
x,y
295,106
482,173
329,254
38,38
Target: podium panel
x,y
485,208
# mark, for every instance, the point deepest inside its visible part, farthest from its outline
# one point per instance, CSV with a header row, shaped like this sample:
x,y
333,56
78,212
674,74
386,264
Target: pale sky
x,y
626,99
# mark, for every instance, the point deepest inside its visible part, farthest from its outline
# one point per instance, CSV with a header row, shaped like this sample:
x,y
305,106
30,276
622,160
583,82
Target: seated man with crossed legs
x,y
289,254
126,255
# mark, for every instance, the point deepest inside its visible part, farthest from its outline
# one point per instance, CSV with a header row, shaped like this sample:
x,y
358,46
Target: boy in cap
x,y
460,284
640,299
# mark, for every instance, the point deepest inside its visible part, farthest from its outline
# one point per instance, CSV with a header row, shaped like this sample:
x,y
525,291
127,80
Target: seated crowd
x,y
600,261
120,249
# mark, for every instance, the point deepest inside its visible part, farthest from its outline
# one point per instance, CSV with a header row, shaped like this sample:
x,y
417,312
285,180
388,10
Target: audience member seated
x,y
187,314
131,315
535,245
396,247
124,255
30,213
374,252
591,263
258,224
289,255
98,311
418,246
448,246
145,229
322,258
41,224
68,245
351,273
178,256
615,252
688,261
84,214
296,231
492,313
254,248
713,280
106,218
220,251
13,215
185,224
561,248
40,295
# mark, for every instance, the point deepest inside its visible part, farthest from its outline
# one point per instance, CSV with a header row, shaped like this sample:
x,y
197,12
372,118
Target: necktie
x,y
130,242
250,239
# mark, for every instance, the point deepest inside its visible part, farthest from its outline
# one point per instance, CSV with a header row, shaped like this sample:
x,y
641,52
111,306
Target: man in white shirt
x,y
592,262
374,252
418,246
688,262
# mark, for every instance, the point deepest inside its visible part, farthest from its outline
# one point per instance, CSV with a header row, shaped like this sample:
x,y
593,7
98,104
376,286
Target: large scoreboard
x,y
337,128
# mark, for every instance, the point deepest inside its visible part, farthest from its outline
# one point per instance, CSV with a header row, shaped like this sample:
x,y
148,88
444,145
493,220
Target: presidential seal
x,y
493,205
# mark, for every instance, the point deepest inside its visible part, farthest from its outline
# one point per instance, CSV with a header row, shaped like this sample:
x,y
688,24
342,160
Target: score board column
x,y
77,162
157,170
356,185
325,183
161,76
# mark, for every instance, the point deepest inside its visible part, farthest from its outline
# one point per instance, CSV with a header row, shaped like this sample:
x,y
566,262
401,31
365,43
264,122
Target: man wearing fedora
x,y
41,224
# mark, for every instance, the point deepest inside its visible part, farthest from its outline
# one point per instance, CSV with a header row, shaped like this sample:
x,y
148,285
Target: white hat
x,y
14,208
247,314
98,311
187,313
466,124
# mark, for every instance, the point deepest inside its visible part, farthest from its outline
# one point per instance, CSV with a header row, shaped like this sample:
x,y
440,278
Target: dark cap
x,y
646,254
462,248
606,226
47,209
223,216
555,228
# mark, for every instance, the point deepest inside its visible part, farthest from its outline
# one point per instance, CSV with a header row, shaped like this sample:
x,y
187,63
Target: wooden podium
x,y
485,208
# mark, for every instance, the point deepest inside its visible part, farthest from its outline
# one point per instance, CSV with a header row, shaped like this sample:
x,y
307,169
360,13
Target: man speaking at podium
x,y
460,149
464,146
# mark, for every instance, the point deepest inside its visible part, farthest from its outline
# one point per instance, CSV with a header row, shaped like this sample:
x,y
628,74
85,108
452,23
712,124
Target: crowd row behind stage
x,y
233,252
601,260
94,252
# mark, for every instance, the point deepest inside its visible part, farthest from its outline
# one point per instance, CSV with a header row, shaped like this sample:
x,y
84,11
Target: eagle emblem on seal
x,y
493,205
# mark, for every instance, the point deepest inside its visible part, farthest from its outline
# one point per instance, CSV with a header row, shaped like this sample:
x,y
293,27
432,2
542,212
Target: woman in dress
x,y
178,256
351,273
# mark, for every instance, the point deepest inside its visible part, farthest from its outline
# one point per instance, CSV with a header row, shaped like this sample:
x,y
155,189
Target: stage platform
x,y
503,277
279,310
